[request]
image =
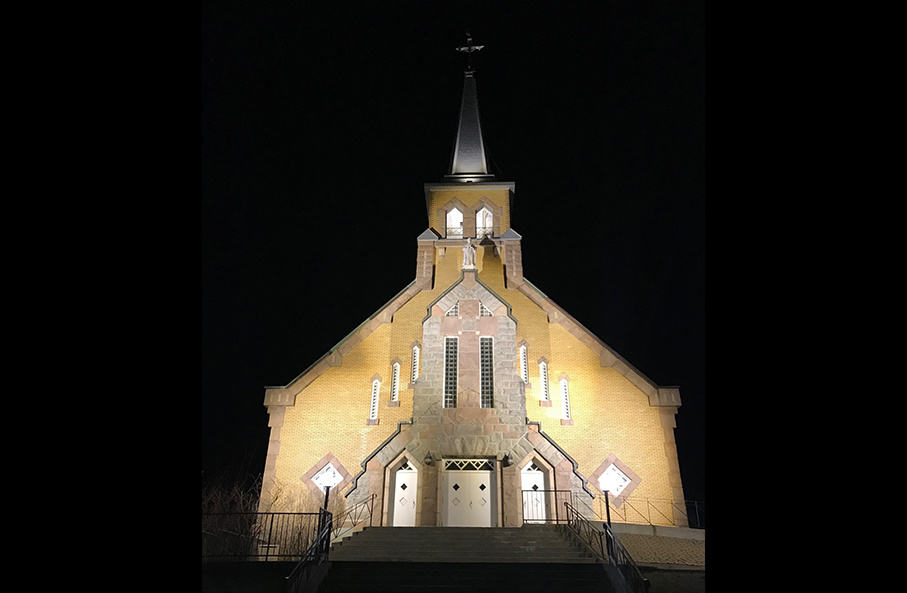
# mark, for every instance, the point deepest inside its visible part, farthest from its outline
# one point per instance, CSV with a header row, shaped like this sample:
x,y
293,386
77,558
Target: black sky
x,y
310,111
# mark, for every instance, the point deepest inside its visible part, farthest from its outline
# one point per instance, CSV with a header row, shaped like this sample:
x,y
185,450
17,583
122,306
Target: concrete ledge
x,y
659,531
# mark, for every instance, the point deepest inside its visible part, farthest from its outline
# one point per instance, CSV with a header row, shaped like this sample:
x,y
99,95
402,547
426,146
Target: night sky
x,y
321,123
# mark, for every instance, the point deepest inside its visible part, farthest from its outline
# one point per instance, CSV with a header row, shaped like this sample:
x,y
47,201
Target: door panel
x,y
405,498
469,498
534,504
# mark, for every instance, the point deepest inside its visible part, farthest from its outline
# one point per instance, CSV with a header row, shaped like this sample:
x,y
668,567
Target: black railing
x,y
652,511
273,536
605,544
256,536
304,575
545,506
353,517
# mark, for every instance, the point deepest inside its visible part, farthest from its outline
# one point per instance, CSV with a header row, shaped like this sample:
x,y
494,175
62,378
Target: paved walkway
x,y
664,551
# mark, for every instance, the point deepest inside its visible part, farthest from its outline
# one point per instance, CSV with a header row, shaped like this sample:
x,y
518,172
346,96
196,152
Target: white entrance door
x,y
533,481
405,496
469,494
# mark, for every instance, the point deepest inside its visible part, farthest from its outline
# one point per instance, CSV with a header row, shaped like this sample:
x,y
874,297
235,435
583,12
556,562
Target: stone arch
x,y
390,485
455,203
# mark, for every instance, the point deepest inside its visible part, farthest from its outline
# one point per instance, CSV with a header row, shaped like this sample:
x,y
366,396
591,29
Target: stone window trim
x,y
635,480
415,362
497,214
395,383
523,353
545,396
454,204
319,465
375,397
469,216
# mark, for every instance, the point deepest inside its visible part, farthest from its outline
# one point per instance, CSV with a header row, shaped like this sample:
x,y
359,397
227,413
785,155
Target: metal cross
x,y
469,48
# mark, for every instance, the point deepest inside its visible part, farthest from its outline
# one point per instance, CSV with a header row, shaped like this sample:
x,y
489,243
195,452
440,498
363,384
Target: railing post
x,y
270,534
607,509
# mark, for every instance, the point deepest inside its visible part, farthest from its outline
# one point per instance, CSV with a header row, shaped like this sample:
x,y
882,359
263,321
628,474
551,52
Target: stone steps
x,y
526,545
416,577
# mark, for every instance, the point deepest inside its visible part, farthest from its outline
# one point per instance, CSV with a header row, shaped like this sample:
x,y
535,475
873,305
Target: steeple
x,y
469,162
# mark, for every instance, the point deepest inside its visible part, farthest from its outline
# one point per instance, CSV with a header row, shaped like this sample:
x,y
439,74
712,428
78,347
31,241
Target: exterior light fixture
x,y
507,461
428,460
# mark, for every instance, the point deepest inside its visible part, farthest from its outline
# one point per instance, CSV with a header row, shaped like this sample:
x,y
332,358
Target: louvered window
x,y
565,394
524,364
543,376
376,390
395,383
415,370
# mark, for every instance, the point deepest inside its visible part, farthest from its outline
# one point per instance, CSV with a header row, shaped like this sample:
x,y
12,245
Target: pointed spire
x,y
468,162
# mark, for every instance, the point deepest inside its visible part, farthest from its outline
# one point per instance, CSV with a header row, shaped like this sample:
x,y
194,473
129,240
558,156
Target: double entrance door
x,y
469,495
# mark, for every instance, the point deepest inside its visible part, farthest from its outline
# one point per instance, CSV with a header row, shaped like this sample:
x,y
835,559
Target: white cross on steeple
x,y
469,48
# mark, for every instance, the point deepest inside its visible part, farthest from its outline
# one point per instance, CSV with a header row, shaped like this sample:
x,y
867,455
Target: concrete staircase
x,y
441,559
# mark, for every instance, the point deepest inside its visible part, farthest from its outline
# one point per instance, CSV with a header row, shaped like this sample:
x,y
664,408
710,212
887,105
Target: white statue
x,y
469,254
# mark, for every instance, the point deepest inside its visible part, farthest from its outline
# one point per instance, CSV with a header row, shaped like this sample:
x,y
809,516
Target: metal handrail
x,y
689,513
317,554
250,535
354,516
606,545
544,497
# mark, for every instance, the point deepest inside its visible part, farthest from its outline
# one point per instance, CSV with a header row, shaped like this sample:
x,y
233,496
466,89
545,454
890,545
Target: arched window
x,y
484,223
543,376
415,371
376,390
454,223
395,383
565,395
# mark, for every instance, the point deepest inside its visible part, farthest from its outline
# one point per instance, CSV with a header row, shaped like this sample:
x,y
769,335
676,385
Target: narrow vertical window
x,y
543,376
485,311
395,383
376,389
454,311
524,363
450,372
415,363
486,360
565,395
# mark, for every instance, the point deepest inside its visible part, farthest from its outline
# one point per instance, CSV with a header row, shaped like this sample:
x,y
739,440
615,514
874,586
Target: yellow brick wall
x,y
500,197
610,415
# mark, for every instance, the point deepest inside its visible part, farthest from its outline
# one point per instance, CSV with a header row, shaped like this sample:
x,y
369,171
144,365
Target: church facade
x,y
471,398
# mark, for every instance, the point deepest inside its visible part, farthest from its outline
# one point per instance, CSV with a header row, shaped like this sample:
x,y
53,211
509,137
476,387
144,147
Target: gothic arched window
x,y
454,223
484,223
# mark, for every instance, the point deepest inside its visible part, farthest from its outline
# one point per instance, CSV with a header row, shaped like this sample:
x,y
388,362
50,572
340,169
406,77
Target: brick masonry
x,y
616,411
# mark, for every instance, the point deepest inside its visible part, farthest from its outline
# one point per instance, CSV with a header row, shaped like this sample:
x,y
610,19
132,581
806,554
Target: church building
x,y
471,398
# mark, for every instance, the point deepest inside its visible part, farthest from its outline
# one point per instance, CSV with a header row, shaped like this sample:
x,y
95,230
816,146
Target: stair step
x,y
406,577
544,545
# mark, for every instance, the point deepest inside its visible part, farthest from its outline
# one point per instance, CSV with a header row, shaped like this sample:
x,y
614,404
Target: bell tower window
x,y
484,223
454,224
